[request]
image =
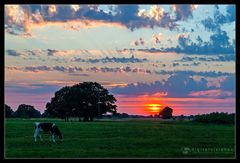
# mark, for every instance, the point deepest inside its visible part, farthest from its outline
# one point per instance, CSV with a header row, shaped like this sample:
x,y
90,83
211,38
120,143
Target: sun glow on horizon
x,y
154,108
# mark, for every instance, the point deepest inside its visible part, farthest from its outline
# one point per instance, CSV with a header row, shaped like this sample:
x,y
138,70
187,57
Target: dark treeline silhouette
x,y
23,111
166,113
216,117
84,100
28,111
8,111
125,115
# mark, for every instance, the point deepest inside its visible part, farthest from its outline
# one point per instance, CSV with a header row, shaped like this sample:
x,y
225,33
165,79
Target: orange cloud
x,y
22,18
52,9
26,20
155,12
14,14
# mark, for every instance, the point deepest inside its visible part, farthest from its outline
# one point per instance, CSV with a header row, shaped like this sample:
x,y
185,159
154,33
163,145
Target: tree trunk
x,y
91,118
85,118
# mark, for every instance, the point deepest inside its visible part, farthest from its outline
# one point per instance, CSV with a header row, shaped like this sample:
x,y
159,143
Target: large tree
x,y
87,100
27,111
166,113
58,105
8,111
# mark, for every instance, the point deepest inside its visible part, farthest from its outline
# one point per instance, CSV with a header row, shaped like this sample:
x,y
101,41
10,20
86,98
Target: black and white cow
x,y
50,128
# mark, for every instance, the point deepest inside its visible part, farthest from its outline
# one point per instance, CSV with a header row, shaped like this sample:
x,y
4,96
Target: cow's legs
x,y
40,137
36,134
53,138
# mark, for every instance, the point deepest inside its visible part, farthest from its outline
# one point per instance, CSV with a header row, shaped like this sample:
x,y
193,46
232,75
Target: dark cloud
x,y
64,13
229,84
12,68
91,12
48,52
37,68
132,59
177,85
194,73
36,52
219,43
139,88
192,64
151,50
175,64
141,41
217,58
187,59
183,12
32,88
181,85
14,53
210,24
195,64
51,52
136,43
231,13
119,69
74,74
126,15
226,58
35,8
219,18
72,70
12,30
167,22
214,24
47,68
157,40
66,69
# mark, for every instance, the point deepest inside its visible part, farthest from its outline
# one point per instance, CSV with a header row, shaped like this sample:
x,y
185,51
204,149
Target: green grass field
x,y
134,138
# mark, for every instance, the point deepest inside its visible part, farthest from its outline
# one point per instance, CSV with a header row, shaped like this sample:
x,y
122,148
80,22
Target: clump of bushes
x,y
216,117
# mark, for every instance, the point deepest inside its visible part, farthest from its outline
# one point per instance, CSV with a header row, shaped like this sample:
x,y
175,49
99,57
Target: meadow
x,y
129,138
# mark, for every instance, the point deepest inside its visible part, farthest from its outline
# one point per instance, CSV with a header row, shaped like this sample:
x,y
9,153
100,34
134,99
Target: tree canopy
x,y
27,111
166,113
216,117
8,111
87,100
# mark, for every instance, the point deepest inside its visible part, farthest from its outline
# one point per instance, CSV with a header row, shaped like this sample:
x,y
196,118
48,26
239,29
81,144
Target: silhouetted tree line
x,y
120,115
84,100
216,117
125,115
23,111
28,111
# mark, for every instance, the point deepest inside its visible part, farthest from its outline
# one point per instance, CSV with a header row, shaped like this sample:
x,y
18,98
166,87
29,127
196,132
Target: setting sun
x,y
153,107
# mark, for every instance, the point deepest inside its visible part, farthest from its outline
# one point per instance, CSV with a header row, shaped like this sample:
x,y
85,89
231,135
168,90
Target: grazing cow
x,y
47,128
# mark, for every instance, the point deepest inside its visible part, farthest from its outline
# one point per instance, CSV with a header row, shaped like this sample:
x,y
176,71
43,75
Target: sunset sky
x,y
147,56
